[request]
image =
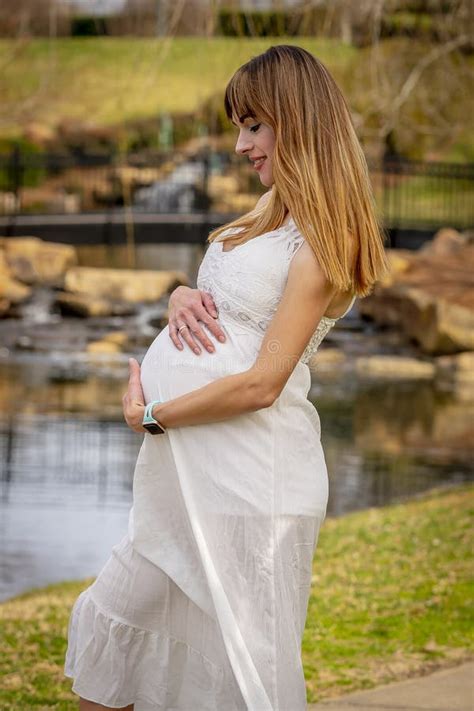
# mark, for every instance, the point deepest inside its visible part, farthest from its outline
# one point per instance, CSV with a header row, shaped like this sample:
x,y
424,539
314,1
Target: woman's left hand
x,y
134,401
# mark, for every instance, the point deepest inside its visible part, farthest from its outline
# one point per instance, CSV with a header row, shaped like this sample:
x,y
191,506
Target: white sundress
x,y
202,605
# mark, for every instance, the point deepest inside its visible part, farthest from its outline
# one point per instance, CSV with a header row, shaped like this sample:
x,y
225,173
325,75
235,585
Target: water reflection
x,y
67,461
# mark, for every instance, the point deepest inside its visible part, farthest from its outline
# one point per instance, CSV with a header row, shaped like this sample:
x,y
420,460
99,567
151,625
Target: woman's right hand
x,y
191,307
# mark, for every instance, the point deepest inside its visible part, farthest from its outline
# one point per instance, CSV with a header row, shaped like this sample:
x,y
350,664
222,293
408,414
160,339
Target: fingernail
x,y
197,351
222,339
210,349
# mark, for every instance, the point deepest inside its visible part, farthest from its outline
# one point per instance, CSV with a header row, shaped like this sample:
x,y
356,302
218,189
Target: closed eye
x,y
255,128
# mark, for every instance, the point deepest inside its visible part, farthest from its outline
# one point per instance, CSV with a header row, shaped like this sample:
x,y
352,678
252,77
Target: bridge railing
x,y
409,194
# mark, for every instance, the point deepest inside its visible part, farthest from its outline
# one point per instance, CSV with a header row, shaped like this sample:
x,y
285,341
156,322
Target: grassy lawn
x,y
111,80
392,594
391,598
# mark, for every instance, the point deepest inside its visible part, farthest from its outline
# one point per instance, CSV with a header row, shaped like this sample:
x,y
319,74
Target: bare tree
x,y
411,87
26,18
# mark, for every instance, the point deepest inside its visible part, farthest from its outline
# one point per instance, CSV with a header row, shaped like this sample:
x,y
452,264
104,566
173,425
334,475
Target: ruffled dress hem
x,y
107,655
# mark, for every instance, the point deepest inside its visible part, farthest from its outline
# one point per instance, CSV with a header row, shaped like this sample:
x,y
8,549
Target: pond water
x,y
67,457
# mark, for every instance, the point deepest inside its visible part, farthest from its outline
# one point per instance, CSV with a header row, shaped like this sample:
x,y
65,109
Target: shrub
x,y
19,164
88,26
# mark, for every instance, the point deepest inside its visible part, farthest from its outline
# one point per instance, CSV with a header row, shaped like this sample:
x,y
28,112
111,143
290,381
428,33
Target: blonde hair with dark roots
x,y
319,170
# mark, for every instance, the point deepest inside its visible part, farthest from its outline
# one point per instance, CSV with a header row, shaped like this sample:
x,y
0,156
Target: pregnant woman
x,y
202,605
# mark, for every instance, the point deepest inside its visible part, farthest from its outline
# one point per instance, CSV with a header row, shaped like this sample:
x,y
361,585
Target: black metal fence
x,y
415,194
410,194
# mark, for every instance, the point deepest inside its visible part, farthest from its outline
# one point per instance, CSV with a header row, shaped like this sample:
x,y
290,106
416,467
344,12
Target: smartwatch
x,y
149,422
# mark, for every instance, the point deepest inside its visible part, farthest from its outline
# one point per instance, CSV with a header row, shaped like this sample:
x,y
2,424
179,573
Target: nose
x,y
243,144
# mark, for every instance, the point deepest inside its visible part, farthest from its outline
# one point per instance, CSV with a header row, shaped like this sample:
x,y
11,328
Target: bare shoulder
x,y
306,270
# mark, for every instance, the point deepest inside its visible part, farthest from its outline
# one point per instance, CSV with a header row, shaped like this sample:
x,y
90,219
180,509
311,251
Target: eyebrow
x,y
242,118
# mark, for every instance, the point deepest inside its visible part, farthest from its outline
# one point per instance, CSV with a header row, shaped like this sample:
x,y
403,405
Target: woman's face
x,y
256,140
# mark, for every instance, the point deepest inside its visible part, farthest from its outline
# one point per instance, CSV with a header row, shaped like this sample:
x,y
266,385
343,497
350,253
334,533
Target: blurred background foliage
x,y
105,79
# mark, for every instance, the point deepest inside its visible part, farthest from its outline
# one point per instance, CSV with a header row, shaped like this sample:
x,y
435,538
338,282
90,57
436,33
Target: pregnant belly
x,y
281,442
167,372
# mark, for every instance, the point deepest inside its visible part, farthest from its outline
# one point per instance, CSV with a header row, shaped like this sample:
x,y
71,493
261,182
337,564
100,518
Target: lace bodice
x,y
248,281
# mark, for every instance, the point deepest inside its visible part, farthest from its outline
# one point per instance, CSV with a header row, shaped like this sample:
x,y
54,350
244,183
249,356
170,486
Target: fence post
x,y
206,159
386,194
16,175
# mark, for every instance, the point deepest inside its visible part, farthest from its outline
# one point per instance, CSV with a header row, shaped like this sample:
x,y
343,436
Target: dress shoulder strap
x,y
294,240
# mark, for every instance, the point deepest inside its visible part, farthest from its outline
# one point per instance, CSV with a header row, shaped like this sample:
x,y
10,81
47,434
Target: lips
x,y
258,162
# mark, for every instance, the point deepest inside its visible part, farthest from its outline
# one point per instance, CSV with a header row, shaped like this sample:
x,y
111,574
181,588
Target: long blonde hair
x,y
319,170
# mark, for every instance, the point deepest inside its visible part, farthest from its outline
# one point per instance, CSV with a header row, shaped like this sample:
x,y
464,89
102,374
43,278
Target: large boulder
x,y
394,367
400,261
88,305
111,344
123,285
446,241
34,261
12,291
455,373
329,363
429,294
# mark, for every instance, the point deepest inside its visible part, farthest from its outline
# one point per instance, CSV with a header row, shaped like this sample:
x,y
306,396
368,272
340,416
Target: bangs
x,y
239,98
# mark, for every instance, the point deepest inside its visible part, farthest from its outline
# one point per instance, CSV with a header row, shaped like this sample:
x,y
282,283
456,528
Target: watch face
x,y
153,428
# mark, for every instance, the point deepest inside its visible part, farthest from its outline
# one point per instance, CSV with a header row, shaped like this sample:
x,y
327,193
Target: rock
x,y
103,346
392,367
87,133
327,359
328,364
66,203
468,236
9,202
86,305
12,291
25,343
132,175
159,322
455,373
118,338
230,202
400,261
4,307
33,261
456,364
113,342
438,325
431,299
445,241
220,185
125,285
39,134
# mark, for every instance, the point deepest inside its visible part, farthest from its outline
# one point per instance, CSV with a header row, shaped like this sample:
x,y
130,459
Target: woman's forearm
x,y
227,397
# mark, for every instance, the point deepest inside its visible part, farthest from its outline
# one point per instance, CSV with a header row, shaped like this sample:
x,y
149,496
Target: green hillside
x,y
111,80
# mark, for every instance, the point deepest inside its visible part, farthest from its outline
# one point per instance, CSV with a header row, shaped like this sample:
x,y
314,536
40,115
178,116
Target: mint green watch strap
x,y
148,418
